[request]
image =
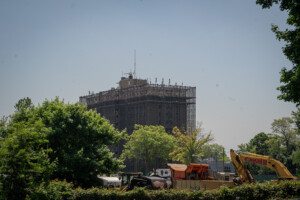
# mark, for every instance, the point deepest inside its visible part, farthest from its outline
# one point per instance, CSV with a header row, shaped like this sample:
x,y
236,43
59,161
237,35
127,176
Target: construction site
x,y
136,101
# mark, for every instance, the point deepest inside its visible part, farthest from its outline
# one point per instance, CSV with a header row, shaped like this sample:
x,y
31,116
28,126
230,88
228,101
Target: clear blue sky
x,y
224,48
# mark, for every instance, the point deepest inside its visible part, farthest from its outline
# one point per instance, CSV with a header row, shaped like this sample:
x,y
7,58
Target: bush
x,y
268,190
55,190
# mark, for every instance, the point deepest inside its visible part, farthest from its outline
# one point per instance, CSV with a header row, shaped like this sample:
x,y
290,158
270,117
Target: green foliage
x,y
296,158
268,190
296,154
282,145
287,138
296,118
258,144
211,150
189,146
79,140
54,141
3,127
290,91
23,161
148,143
23,104
55,190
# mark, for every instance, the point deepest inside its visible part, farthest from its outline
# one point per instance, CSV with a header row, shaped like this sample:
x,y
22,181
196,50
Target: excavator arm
x,y
275,165
241,169
238,161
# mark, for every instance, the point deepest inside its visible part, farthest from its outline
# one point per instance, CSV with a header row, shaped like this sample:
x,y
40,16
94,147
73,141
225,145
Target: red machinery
x,y
191,172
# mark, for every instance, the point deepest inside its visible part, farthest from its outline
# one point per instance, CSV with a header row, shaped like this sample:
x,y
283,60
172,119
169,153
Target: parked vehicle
x,y
163,173
126,178
110,182
150,182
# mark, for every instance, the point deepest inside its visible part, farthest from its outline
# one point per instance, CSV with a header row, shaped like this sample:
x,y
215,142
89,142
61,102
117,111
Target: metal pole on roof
x,y
134,64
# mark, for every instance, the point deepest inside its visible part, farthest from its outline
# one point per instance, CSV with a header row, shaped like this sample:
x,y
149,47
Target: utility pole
x,y
278,150
223,158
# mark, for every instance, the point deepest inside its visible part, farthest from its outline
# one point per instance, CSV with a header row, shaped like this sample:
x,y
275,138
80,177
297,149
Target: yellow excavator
x,y
244,173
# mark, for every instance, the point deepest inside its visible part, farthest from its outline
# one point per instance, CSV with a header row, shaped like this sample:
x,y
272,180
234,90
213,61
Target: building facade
x,y
218,166
136,101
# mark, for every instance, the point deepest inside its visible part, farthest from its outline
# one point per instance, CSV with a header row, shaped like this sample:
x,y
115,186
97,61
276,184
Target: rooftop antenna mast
x,y
134,72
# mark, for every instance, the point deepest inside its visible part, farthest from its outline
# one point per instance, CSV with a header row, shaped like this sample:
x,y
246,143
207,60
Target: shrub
x,y
55,190
269,190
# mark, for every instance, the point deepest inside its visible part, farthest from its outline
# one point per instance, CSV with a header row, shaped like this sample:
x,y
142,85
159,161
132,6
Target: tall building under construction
x,y
135,101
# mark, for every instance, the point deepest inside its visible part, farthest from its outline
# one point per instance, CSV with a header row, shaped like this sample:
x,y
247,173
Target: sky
x,y
226,49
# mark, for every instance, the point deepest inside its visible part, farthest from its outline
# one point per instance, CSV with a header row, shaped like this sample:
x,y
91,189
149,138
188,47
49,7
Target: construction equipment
x,y
163,173
191,177
150,182
126,178
194,177
242,170
244,173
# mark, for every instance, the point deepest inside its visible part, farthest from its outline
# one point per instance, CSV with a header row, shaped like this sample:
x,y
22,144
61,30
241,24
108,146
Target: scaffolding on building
x,y
183,95
136,101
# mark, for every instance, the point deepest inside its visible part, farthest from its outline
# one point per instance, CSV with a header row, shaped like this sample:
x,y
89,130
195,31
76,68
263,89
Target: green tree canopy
x,y
296,158
148,143
296,118
212,150
259,145
287,138
24,163
282,144
284,127
78,138
23,104
189,146
290,91
296,153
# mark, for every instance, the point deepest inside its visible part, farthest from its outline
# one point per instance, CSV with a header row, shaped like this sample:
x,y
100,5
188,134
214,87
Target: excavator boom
x,y
241,169
238,161
275,165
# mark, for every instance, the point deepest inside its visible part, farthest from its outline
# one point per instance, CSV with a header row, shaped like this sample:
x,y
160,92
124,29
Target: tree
x,y
290,91
288,138
3,127
148,143
23,104
296,153
296,118
258,145
296,158
212,150
284,128
189,146
276,149
281,145
79,139
24,163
